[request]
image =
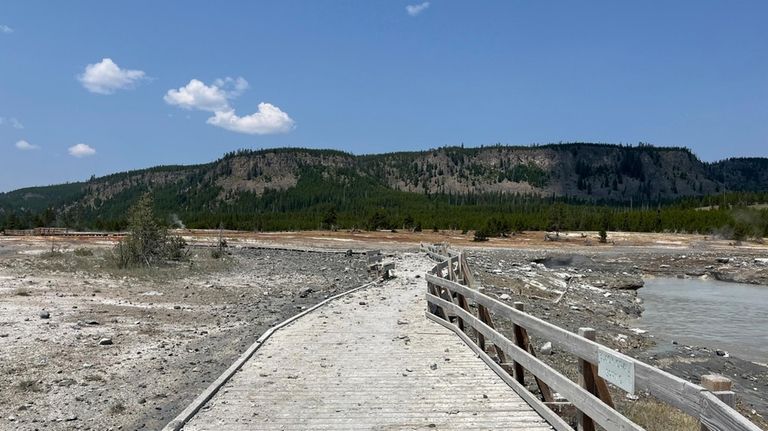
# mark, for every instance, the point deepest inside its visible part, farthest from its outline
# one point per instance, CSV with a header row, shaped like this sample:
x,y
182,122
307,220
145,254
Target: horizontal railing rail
x,y
450,289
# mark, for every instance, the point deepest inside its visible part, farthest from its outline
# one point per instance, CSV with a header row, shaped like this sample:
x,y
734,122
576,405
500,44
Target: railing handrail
x,y
693,399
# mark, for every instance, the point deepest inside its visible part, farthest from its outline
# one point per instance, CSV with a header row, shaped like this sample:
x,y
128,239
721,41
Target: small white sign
x,y
616,369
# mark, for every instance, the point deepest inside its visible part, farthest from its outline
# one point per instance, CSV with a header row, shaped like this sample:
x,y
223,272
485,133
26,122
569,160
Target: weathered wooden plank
x,y
551,417
325,371
717,416
673,390
179,421
485,317
546,393
470,278
601,413
587,381
517,332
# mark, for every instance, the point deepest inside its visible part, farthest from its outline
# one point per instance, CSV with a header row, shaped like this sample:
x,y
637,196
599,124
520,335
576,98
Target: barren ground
x,y
175,330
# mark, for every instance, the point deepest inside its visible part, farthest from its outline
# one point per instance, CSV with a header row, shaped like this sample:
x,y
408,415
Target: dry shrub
x,y
657,416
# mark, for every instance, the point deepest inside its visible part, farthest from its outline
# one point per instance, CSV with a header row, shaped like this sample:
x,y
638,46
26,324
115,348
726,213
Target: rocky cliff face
x,y
594,172
579,170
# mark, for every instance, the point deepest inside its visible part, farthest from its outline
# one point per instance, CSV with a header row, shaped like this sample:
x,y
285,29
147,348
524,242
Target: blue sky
x,y
369,76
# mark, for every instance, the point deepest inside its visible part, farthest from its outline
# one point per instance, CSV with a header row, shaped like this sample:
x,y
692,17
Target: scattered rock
x,y
504,297
45,315
433,367
546,348
105,342
722,353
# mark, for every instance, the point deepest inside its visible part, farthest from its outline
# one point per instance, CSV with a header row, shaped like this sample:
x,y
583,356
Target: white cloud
x,y
81,150
215,98
25,146
415,9
106,77
16,124
267,120
232,86
197,95
5,29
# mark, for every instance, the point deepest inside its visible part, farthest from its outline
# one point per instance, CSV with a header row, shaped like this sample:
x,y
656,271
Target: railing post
x,y
720,387
519,342
587,381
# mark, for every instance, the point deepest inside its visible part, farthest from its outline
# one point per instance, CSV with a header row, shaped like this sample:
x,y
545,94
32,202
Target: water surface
x,y
727,316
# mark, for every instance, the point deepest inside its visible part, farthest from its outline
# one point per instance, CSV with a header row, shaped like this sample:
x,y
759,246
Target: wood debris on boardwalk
x,y
368,360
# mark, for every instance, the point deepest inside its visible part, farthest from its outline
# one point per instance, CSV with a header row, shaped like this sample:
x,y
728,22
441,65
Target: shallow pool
x,y
727,316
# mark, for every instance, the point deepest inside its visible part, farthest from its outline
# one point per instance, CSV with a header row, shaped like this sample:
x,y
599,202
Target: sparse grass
x,y
30,385
83,252
117,408
199,263
656,416
53,254
100,263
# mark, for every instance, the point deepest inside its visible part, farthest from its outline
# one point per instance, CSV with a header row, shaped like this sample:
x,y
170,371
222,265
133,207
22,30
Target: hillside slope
x,y
280,180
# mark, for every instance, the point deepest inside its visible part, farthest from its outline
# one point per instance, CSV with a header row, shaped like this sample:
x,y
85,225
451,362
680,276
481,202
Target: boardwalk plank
x,y
370,360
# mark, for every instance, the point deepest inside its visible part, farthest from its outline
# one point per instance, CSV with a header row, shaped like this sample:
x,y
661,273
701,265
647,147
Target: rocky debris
x,y
305,292
105,342
45,315
546,348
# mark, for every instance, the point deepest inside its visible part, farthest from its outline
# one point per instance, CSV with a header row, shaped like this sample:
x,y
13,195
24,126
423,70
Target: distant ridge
x,y
297,178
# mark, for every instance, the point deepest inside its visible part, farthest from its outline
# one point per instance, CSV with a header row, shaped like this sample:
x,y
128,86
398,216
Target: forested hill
x,y
288,180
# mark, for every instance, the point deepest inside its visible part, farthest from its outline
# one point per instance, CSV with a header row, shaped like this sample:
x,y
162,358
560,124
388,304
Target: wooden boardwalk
x,y
369,360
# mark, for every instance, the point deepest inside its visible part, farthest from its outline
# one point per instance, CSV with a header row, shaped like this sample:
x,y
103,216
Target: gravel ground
x,y
84,347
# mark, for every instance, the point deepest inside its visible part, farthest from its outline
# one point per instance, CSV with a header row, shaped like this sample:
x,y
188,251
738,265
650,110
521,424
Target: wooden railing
x,y
454,301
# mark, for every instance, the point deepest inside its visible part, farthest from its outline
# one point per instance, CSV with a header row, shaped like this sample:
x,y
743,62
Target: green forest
x,y
343,199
